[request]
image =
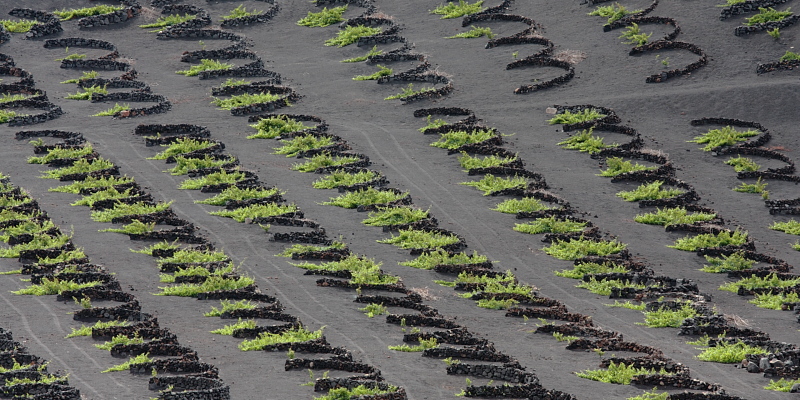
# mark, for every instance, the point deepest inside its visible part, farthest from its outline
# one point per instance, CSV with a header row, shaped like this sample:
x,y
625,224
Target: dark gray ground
x,y
387,132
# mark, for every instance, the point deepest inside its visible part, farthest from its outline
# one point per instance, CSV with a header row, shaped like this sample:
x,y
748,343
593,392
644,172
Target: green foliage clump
x,y
105,194
525,204
352,263
468,162
272,127
550,224
136,228
84,76
294,335
634,35
39,241
29,226
113,110
140,359
774,301
613,13
568,117
244,99
497,304
564,338
440,257
11,201
169,20
234,193
182,146
432,124
357,392
194,256
758,187
64,256
364,197
729,3
455,139
577,248
667,318
491,183
305,248
363,270
214,178
255,211
652,395
73,56
585,142
67,15
755,282
209,285
649,191
505,283
382,71
782,385
672,216
205,65
7,115
342,178
618,166
92,182
579,270
119,339
228,329
423,345
475,32
322,161
618,373
184,164
53,286
196,271
240,12
395,216
80,166
729,353
227,305
604,287
8,214
791,227
418,239
373,52
627,304
88,92
302,143
741,164
724,238
726,136
733,262
87,330
7,98
409,91
58,153
462,8
374,309
122,209
790,56
18,26
158,246
230,82
350,35
768,14
323,18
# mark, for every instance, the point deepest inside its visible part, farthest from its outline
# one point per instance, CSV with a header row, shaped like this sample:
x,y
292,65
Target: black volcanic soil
x,y
387,132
